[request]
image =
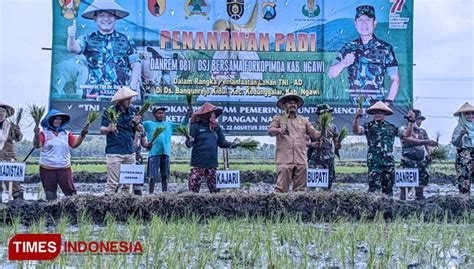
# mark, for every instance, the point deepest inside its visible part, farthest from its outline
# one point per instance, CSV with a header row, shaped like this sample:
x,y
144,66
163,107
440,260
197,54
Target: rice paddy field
x,y
250,227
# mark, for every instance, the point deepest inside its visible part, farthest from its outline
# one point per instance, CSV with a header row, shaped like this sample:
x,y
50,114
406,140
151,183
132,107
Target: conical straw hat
x,y
123,94
379,106
104,5
10,110
464,108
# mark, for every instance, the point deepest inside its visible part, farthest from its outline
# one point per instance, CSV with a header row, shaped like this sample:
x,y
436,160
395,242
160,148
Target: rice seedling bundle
x,y
249,144
37,113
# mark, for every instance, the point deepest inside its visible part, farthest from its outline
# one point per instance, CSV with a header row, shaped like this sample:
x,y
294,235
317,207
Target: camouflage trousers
x,y
422,169
197,175
325,164
381,175
465,169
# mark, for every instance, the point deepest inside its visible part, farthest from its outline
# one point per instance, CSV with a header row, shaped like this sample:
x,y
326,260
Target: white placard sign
x,y
227,179
318,178
132,174
407,177
12,171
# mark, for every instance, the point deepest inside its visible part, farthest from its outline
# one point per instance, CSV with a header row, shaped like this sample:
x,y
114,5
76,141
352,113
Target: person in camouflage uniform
x,y
413,154
380,136
463,140
367,60
112,57
321,150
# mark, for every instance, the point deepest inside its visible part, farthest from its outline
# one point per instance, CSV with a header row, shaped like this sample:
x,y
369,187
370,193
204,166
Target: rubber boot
x,y
403,193
419,193
151,185
164,184
51,196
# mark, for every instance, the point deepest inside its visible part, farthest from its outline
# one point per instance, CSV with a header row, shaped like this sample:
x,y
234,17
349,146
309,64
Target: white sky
x,y
443,54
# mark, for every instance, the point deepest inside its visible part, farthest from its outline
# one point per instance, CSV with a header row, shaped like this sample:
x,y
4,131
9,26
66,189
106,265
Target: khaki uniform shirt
x,y
291,148
7,153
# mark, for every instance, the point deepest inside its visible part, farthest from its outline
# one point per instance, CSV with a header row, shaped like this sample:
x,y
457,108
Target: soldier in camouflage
x,y
321,150
380,136
463,140
414,149
367,60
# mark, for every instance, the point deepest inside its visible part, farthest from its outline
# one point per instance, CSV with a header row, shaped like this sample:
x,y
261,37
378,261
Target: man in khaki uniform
x,y
291,131
9,133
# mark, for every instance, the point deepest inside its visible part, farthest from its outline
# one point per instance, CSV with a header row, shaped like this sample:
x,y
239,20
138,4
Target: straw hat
x,y
207,108
104,5
10,110
286,97
122,94
464,108
379,106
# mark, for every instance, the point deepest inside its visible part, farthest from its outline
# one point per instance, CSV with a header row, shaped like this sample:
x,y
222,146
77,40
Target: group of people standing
x,y
299,144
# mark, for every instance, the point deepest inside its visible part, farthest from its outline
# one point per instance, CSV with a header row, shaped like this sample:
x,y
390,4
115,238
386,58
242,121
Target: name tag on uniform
x,y
407,177
227,179
12,171
132,174
318,178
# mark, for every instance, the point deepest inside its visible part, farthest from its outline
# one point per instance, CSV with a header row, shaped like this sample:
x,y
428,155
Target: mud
x,y
245,176
310,206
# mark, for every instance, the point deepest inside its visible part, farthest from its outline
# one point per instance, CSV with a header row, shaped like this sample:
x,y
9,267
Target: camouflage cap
x,y
418,115
324,108
366,10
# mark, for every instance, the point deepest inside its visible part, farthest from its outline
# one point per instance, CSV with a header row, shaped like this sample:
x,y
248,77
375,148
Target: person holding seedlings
x,y
205,137
55,155
414,149
120,123
321,151
380,136
291,131
160,149
463,140
9,133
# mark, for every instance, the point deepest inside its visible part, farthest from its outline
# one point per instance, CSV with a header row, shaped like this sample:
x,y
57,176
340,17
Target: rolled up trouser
x,y
113,172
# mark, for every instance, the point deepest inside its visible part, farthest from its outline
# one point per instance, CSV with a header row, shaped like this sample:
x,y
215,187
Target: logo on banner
x,y
157,7
397,6
197,7
235,8
311,10
69,8
268,10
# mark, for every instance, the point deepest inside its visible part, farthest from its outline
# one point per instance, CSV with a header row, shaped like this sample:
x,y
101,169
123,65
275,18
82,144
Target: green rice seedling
x,y
92,117
189,99
360,101
18,117
38,226
325,120
112,115
156,133
342,135
144,108
439,153
183,130
37,113
249,144
133,227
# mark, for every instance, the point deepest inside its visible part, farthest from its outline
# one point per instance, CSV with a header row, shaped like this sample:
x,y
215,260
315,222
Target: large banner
x,y
239,54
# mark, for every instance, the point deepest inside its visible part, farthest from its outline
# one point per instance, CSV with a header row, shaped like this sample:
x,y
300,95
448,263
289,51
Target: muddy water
x,y
33,191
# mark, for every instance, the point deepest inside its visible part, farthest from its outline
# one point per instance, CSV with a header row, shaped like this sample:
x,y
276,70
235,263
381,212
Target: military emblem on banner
x,y
311,10
235,8
268,10
69,8
197,7
157,7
